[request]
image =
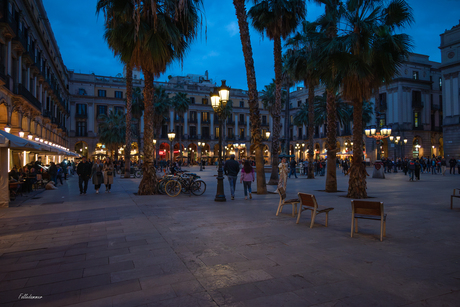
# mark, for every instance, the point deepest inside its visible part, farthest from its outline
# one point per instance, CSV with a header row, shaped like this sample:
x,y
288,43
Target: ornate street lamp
x,y
21,133
218,102
30,137
378,134
171,136
267,134
7,128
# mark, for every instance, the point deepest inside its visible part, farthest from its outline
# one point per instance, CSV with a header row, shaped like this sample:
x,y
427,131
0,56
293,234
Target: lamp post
x,y
378,134
171,136
154,148
219,101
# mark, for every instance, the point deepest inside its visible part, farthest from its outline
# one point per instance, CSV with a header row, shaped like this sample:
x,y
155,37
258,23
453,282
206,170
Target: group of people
x,y
424,165
99,172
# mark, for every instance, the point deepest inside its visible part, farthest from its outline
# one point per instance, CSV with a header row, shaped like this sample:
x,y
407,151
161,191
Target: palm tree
x,y
150,34
180,103
303,65
277,19
112,130
269,102
137,110
253,101
161,105
129,89
370,54
343,110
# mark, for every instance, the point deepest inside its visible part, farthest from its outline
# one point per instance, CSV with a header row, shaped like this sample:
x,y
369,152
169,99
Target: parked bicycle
x,y
185,183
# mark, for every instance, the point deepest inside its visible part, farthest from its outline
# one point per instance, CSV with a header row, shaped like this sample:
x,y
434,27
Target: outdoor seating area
x,y
308,202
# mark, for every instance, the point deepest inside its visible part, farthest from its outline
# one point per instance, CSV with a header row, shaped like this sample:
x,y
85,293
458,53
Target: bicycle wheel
x,y
173,188
161,186
138,174
198,187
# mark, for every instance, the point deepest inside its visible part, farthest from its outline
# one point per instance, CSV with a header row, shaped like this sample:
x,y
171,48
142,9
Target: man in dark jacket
x,y
452,164
293,170
231,169
84,173
411,168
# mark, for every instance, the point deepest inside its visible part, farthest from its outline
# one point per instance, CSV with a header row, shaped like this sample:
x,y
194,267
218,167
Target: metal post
x,y
220,195
201,158
171,150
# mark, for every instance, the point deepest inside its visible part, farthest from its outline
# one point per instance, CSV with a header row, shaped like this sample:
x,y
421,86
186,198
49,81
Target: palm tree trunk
x,y
139,136
149,179
276,110
253,101
331,176
157,146
129,97
180,141
311,129
357,182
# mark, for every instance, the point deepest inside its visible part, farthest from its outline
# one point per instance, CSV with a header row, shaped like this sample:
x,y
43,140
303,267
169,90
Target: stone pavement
x,y
120,249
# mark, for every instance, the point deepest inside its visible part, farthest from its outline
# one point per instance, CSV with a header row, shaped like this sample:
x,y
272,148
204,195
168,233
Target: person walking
x,y
247,176
411,168
452,164
96,173
231,169
283,174
59,174
108,174
53,172
443,166
84,173
293,170
417,169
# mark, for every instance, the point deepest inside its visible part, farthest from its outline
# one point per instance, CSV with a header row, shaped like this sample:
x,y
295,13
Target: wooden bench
x,y
284,201
308,202
454,195
369,210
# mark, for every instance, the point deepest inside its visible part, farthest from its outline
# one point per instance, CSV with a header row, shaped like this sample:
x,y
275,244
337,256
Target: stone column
x,y
9,59
28,79
447,97
19,81
455,93
35,87
212,127
91,117
73,122
237,134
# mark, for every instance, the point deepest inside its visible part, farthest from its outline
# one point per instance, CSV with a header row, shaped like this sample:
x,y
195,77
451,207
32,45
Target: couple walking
x,y
101,173
232,168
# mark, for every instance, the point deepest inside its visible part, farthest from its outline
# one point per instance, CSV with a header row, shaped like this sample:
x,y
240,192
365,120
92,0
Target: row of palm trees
x,y
353,48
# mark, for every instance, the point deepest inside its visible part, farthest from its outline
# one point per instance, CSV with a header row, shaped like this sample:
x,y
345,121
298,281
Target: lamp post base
x,y
220,195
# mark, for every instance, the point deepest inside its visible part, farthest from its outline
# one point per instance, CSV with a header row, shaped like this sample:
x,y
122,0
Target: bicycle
x,y
186,183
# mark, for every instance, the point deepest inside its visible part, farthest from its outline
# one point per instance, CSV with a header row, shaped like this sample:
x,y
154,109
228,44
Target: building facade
x,y
34,82
450,69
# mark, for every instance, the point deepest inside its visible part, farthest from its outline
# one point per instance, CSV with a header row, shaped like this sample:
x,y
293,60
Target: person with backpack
x,y
247,176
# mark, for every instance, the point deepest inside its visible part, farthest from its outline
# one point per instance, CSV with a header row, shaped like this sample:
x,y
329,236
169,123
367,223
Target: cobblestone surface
x,y
120,249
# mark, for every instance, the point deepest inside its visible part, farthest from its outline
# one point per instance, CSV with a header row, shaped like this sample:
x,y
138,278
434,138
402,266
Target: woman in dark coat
x,y
97,175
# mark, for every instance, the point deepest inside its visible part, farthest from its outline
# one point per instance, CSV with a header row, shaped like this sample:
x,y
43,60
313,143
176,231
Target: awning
x,y
15,142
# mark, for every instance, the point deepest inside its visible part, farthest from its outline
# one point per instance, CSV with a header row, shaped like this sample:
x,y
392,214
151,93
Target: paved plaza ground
x,y
120,249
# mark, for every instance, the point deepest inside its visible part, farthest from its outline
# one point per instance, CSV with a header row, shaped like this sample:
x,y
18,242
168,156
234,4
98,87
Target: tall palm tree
x,y
253,100
112,130
370,54
342,109
269,102
303,65
129,89
180,103
162,103
277,19
328,24
150,34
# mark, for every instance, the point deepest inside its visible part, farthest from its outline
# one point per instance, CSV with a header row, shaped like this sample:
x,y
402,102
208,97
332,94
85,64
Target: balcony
x,y
20,90
8,17
46,113
179,120
230,122
81,134
21,38
417,104
264,124
241,123
81,115
230,138
207,122
192,121
383,106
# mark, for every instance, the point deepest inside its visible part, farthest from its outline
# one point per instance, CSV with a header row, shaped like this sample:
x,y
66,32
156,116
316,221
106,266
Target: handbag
x,y
109,173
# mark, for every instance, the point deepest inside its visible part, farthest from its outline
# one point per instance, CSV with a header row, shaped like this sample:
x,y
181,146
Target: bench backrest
x,y
282,193
367,207
308,200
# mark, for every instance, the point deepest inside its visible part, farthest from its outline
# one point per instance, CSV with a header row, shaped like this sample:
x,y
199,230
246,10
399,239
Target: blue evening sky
x,y
79,33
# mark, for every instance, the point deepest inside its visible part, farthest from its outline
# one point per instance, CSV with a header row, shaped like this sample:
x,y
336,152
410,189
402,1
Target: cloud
x,y
232,28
